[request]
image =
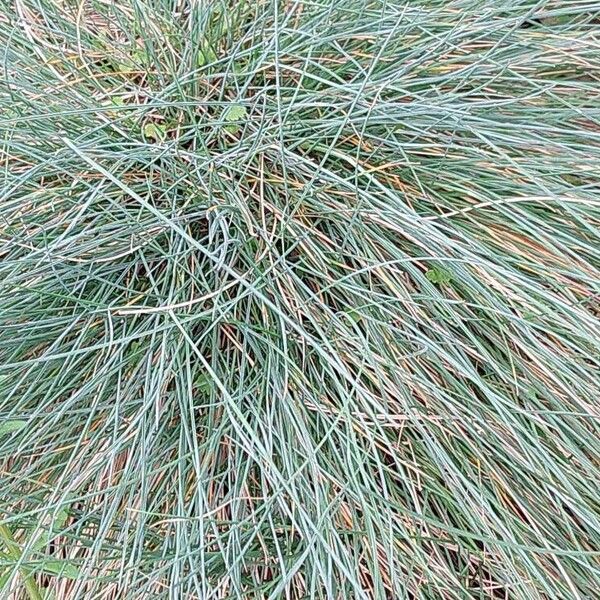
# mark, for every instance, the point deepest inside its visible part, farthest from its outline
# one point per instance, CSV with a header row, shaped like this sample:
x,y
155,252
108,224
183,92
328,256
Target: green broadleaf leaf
x,y
353,315
204,384
438,275
59,522
234,114
154,132
11,427
60,568
5,580
206,55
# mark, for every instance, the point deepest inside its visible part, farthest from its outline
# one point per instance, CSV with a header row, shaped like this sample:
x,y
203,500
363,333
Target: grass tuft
x,y
299,299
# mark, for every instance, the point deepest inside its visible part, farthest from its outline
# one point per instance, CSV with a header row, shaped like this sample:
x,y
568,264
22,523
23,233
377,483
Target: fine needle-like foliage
x,y
299,299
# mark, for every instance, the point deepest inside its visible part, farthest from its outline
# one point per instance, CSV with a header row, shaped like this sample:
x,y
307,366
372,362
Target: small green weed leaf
x,y
132,61
123,64
135,346
204,384
438,275
354,315
60,568
59,522
11,427
206,55
155,132
5,580
140,56
234,114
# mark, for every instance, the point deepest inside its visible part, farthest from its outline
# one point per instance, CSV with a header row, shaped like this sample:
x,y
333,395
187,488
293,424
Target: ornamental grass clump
x,y
299,299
